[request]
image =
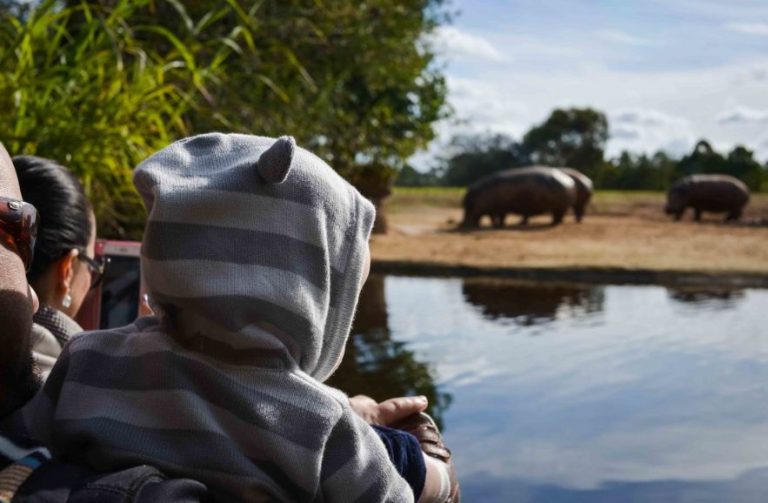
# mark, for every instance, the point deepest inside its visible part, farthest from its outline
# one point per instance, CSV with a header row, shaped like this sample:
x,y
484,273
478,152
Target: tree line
x,y
99,85
576,138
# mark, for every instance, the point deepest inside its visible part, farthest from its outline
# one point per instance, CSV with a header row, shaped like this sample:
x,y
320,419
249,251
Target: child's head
x,y
254,244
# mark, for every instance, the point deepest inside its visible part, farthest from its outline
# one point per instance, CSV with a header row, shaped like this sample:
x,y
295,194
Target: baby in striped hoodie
x,y
253,257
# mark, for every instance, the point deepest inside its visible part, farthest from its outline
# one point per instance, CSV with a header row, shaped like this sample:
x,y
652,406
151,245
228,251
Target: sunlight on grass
x,y
603,201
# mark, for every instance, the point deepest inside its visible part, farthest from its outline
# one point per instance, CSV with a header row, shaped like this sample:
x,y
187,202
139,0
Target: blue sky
x,y
667,72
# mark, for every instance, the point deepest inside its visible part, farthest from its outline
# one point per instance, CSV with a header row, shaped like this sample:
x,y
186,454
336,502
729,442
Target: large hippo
x,y
583,191
525,191
715,193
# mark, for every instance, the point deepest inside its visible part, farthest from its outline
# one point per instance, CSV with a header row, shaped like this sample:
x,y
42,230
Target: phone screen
x,y
120,292
117,301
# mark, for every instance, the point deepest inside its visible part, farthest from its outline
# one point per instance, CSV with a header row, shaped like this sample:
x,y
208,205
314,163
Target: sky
x,y
666,72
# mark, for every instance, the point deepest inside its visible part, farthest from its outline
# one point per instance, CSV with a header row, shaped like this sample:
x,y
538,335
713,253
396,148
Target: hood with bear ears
x,y
255,247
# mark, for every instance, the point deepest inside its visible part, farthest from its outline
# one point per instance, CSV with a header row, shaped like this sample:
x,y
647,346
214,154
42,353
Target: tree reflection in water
x,y
377,366
529,303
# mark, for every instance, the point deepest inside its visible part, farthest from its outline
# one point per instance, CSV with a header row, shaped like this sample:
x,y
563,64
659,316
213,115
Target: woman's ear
x,y
65,271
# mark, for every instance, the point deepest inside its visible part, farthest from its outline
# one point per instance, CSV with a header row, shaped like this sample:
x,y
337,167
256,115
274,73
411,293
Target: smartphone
x,y
119,299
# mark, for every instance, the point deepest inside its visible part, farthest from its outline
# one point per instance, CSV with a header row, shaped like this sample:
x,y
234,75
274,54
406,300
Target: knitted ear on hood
x,y
256,245
275,163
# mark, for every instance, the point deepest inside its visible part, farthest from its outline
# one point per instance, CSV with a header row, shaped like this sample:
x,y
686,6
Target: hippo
x,y
583,191
528,303
715,193
527,191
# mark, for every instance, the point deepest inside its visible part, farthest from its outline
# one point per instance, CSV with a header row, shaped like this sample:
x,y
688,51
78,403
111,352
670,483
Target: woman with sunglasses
x,y
63,269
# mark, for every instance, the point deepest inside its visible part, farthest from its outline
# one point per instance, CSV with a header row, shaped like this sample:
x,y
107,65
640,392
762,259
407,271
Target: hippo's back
x,y
526,191
715,193
584,185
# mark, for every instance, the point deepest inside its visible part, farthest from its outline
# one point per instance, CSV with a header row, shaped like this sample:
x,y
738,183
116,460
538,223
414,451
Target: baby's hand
x,y
441,484
389,411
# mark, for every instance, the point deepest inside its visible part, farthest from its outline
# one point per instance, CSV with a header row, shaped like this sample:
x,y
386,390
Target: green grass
x,y
603,201
623,194
449,197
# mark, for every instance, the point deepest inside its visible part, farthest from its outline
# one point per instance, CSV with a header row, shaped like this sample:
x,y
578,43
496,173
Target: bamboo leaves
x,y
77,85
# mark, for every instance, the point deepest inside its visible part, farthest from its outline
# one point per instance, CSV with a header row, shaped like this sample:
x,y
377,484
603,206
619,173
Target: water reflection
x,y
701,295
528,303
660,400
750,487
380,367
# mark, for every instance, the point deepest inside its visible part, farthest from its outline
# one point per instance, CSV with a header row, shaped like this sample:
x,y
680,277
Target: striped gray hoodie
x,y
252,256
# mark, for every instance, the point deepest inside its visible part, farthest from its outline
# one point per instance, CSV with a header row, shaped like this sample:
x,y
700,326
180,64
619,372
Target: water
x,y
577,393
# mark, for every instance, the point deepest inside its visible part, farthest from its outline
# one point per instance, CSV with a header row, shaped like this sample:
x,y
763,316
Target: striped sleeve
x,y
356,467
39,412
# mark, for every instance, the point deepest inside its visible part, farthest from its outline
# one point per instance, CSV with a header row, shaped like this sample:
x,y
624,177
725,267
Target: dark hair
x,y
65,213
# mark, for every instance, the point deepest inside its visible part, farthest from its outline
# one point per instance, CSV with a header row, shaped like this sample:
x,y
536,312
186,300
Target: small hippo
x,y
525,191
583,191
715,193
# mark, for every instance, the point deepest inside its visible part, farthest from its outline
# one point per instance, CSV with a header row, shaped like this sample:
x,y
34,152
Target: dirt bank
x,y
623,234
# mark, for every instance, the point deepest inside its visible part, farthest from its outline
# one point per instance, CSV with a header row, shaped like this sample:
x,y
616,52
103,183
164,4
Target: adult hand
x,y
389,411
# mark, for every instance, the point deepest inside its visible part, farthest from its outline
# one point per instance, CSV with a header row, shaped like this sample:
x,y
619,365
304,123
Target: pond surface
x,y
577,393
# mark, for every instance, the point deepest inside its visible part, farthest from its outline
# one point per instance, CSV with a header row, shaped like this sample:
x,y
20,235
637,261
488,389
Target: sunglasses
x,y
18,228
97,267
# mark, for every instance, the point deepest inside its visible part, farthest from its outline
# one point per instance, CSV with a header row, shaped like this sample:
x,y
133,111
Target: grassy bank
x,y
604,202
622,231
441,197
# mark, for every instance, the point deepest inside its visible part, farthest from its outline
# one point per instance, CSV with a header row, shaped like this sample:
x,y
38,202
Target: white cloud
x,y
761,147
650,107
647,111
754,74
648,130
624,38
487,106
757,28
743,115
455,43
479,107
759,74
718,9
741,125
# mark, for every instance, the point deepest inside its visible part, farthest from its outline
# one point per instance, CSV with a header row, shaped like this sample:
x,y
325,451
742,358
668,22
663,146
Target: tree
x,y
354,82
479,156
357,83
741,164
95,99
640,172
573,137
376,365
703,159
409,177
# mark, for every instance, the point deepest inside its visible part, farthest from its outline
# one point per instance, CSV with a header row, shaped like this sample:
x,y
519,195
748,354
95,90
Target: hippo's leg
x,y
579,212
679,215
697,214
498,220
733,215
524,220
557,217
